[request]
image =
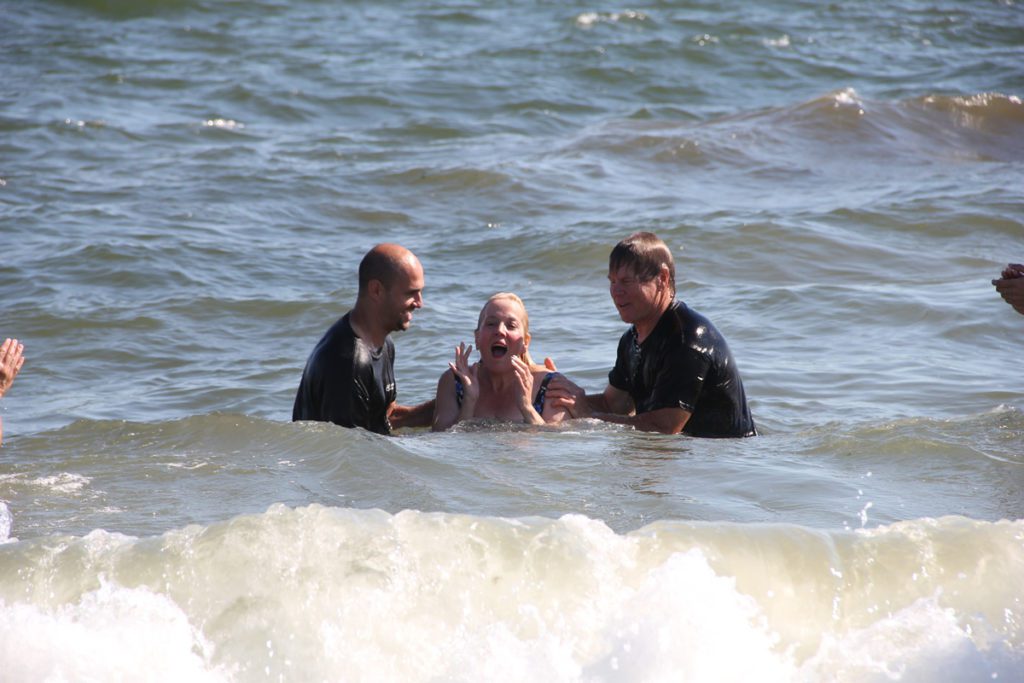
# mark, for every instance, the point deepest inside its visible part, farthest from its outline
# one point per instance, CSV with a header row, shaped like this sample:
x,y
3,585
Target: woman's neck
x,y
499,383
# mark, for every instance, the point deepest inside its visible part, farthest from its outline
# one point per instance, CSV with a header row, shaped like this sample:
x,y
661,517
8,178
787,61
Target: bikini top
x,y
538,403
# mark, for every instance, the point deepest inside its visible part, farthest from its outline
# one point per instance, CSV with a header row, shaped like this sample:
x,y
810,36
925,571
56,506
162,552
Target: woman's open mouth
x,y
498,351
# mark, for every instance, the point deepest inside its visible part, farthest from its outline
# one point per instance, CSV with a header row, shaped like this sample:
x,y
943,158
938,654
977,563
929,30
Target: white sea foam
x,y
65,482
112,633
326,594
922,642
848,98
686,623
6,520
227,124
587,19
189,465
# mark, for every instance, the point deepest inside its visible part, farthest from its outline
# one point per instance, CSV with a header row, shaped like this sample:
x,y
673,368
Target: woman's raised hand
x,y
466,373
11,360
524,391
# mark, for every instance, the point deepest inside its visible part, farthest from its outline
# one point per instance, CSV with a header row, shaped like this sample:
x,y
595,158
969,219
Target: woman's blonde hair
x,y
526,322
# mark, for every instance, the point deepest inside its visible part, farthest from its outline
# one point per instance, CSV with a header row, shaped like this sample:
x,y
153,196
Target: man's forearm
x,y
598,403
412,416
665,420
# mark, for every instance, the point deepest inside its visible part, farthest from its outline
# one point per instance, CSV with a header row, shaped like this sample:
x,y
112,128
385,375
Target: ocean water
x,y
186,189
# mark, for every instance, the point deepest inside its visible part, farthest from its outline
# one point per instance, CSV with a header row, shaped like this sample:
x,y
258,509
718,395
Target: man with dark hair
x,y
673,372
349,378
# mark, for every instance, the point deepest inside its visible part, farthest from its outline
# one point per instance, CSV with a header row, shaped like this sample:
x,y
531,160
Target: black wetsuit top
x,y
685,363
347,382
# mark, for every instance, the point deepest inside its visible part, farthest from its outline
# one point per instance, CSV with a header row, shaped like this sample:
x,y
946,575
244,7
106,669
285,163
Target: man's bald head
x,y
386,263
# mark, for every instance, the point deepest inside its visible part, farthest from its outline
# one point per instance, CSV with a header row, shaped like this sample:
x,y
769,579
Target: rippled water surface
x,y
186,188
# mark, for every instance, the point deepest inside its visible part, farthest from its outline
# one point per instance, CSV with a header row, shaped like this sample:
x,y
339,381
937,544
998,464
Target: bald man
x,y
349,378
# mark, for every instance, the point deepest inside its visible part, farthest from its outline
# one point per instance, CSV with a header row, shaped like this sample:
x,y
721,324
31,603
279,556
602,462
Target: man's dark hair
x,y
644,253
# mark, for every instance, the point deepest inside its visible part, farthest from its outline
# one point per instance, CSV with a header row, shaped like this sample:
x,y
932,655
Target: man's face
x,y
403,297
634,299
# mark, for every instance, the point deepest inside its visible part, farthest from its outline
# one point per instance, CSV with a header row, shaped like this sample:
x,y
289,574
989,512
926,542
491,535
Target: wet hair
x,y
380,264
644,253
505,295
526,320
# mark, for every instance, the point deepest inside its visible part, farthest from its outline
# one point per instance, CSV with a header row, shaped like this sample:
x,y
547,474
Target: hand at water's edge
x,y
563,393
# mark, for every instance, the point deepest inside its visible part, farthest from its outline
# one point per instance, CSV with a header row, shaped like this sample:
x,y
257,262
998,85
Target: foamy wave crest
x,y
112,633
588,19
983,127
327,593
65,482
993,112
836,128
226,124
923,642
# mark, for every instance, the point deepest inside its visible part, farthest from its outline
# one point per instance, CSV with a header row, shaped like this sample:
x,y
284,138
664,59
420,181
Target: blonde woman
x,y
504,384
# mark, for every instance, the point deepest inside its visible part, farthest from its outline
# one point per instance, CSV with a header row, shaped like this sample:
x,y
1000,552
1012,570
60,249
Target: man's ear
x,y
375,288
663,277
